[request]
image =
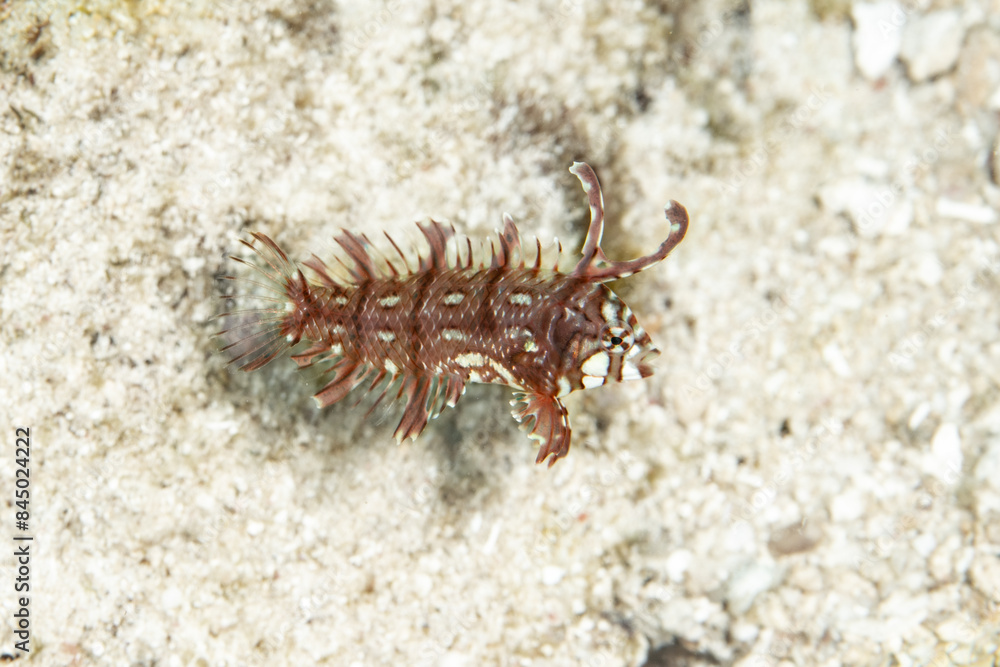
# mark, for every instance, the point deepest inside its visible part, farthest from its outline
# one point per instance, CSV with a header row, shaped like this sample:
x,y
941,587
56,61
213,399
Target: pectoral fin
x,y
545,419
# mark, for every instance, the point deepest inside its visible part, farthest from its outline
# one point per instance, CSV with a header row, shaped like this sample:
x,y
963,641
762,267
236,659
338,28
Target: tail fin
x,y
253,337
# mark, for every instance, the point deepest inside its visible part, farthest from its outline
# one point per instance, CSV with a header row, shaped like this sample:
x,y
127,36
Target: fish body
x,y
422,334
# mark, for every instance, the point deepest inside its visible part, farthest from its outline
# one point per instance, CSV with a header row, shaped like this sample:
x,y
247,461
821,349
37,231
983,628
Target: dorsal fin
x,y
379,259
592,245
594,265
510,244
320,268
437,236
406,263
364,269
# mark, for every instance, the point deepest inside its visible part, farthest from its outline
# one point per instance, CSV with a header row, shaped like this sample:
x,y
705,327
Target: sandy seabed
x,y
812,477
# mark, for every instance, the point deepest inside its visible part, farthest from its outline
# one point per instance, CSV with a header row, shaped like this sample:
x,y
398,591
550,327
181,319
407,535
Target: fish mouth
x,y
643,362
635,366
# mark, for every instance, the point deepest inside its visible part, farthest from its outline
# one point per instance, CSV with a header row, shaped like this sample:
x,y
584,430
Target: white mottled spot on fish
x,y
340,300
630,371
564,386
386,336
507,376
589,381
453,298
390,367
389,301
485,369
582,303
470,360
609,310
597,365
454,334
530,346
520,299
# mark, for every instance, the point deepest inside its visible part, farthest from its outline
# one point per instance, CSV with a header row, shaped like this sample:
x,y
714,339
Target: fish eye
x,y
617,337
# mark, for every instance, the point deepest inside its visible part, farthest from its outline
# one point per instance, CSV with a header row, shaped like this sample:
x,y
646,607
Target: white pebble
x,y
898,218
747,583
955,630
925,544
945,458
172,598
423,584
677,564
552,575
848,506
981,214
874,209
874,168
878,35
984,574
744,632
929,271
835,359
931,44
919,415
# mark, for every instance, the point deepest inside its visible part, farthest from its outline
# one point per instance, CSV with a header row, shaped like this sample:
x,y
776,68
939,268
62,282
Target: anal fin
x,y
309,357
346,376
415,414
426,397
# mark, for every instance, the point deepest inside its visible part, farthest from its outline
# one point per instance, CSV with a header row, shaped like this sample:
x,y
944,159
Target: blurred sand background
x,y
811,478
